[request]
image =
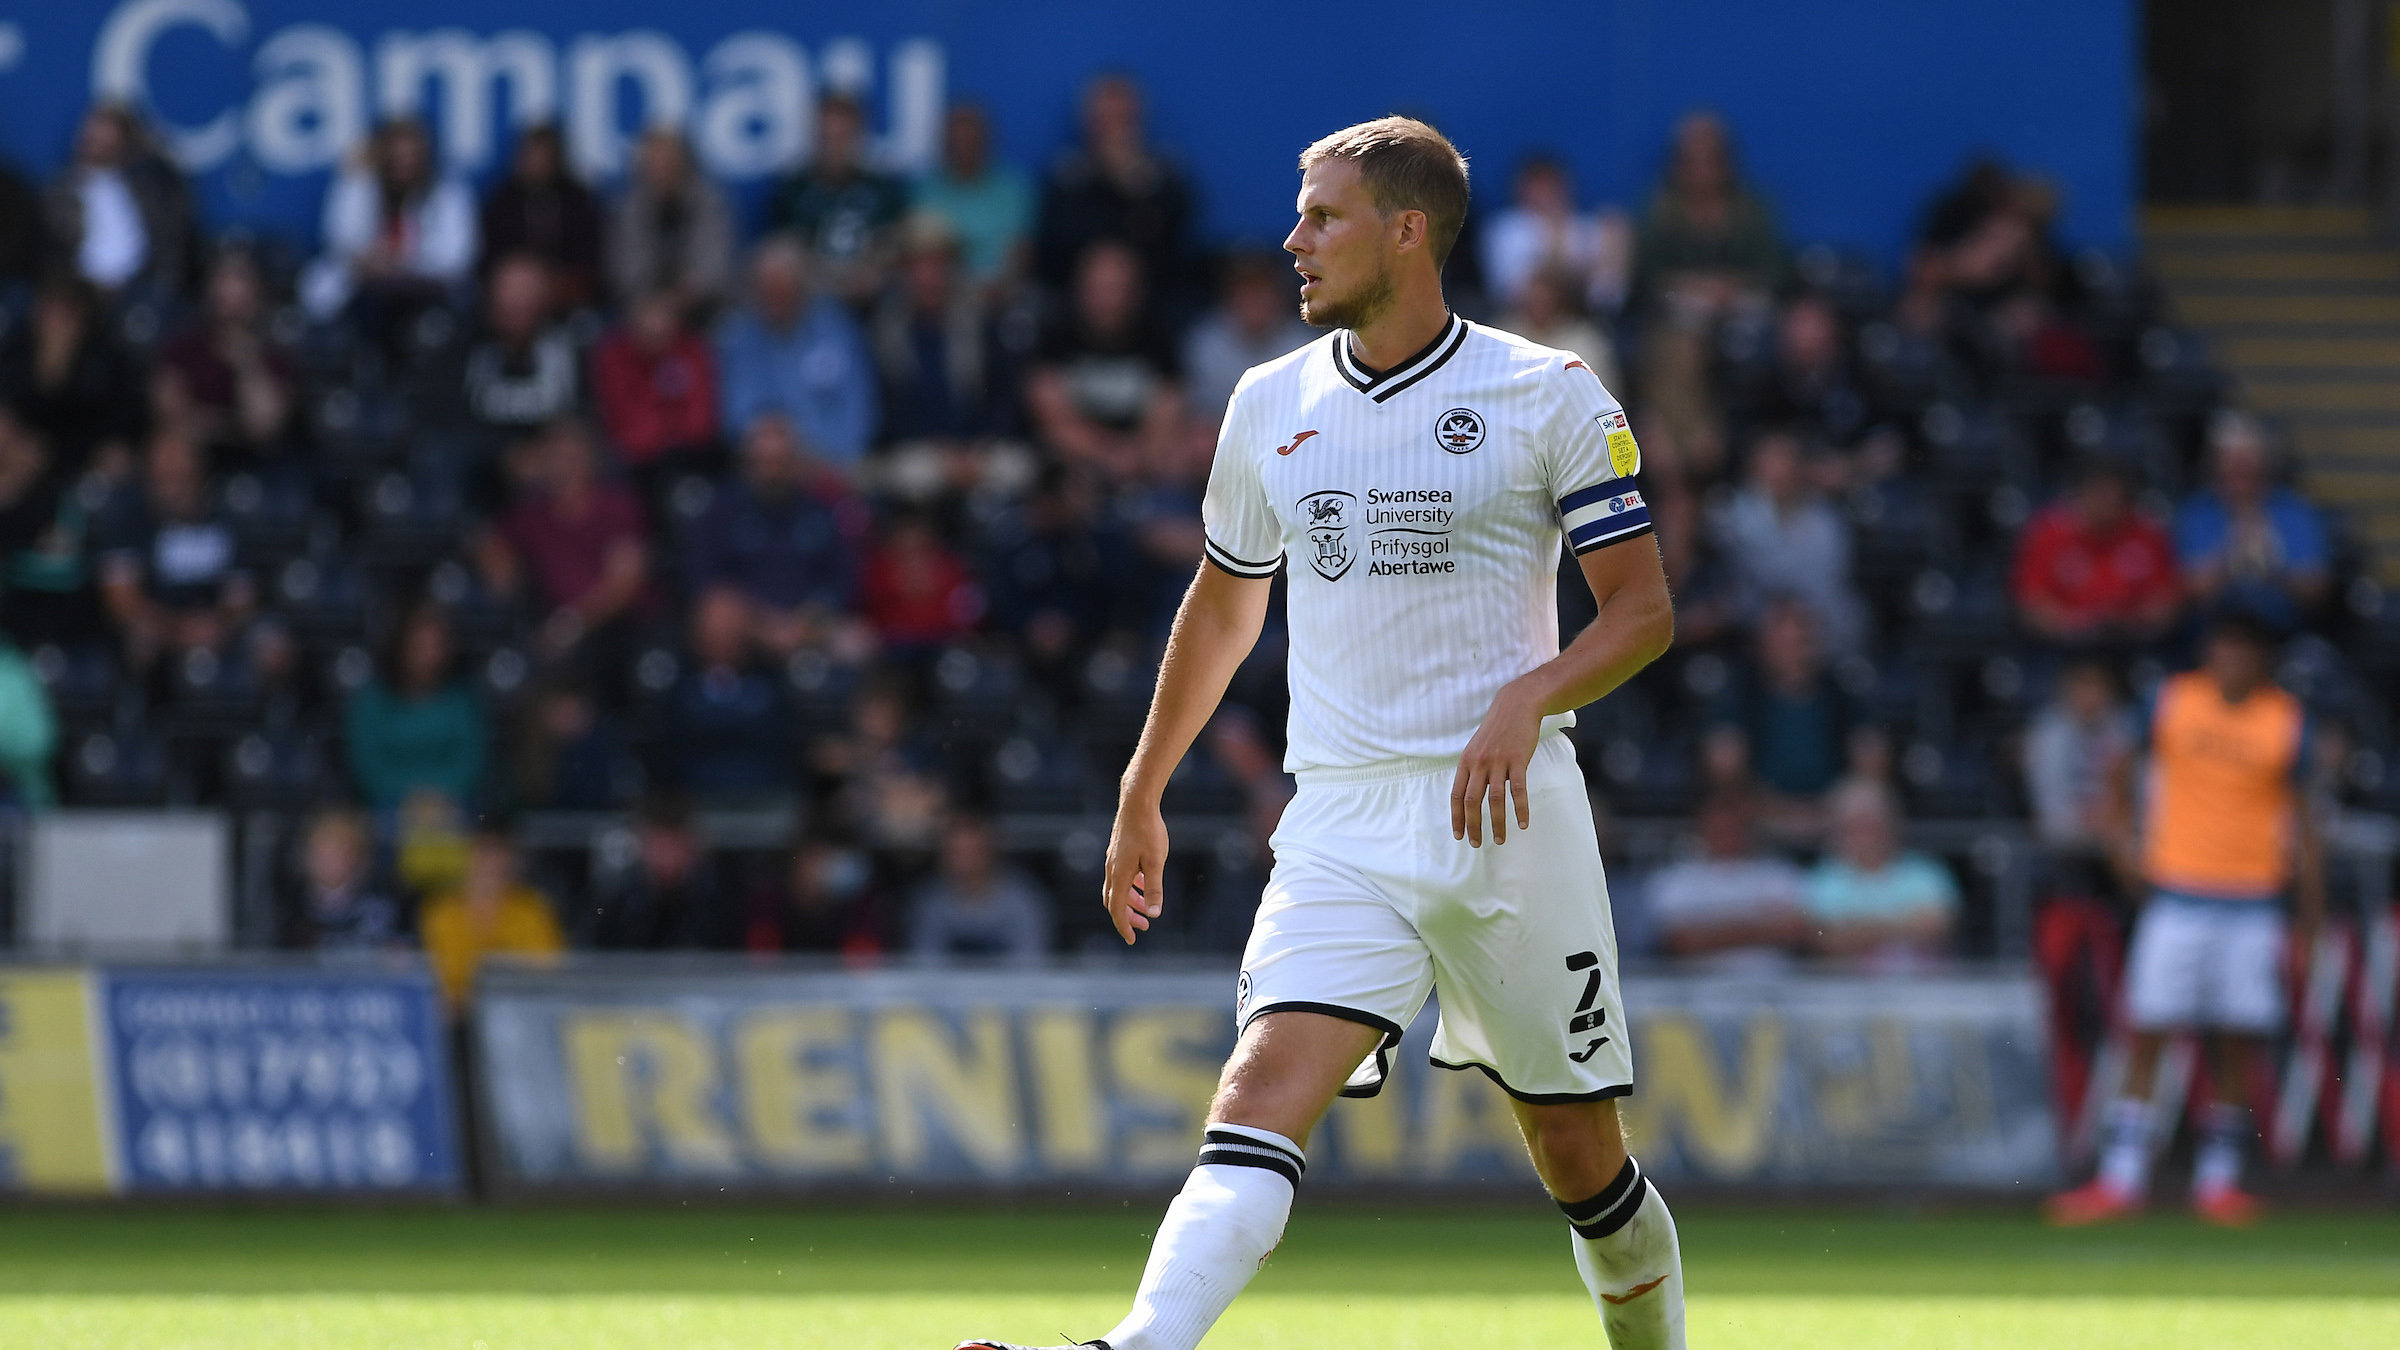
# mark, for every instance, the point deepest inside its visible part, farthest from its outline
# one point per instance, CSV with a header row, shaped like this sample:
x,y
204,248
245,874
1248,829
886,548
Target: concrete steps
x,y
2301,306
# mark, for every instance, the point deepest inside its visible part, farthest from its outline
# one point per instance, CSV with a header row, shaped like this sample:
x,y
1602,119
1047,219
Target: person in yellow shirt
x,y
2225,839
491,913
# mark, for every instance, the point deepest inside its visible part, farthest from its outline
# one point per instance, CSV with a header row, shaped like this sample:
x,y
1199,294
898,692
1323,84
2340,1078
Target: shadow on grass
x,y
821,1252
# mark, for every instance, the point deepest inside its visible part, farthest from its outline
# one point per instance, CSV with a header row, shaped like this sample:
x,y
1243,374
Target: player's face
x,y
1342,248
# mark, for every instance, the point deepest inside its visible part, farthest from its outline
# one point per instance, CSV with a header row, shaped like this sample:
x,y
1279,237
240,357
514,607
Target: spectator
x,y
2070,747
977,905
1054,577
671,899
491,913
1808,385
827,903
45,567
1103,394
1255,320
656,385
1547,312
1734,905
728,735
878,775
417,728
944,379
1795,719
226,380
1114,188
1227,906
2091,572
672,229
24,237
1870,900
915,593
1591,255
168,573
69,380
340,908
1782,538
569,754
121,214
399,234
576,545
1708,242
542,209
782,546
987,205
800,355
840,208
28,732
2245,542
523,375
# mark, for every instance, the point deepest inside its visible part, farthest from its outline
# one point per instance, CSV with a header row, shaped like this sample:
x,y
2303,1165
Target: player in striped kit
x,y
1415,475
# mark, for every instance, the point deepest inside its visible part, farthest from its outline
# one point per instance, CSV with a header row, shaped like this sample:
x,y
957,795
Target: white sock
x,y
2125,1158
1625,1249
1216,1235
2224,1138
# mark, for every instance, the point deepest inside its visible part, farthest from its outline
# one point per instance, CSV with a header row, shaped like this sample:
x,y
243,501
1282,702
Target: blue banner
x,y
264,1080
1849,112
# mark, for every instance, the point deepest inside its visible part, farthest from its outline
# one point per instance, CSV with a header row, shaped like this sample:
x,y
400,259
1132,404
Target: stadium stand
x,y
869,587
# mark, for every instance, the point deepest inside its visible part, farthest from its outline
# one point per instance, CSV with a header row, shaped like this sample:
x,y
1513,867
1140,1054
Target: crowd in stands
x,y
869,514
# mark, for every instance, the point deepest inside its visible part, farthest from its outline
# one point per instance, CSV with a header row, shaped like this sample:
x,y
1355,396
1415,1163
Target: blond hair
x,y
1407,166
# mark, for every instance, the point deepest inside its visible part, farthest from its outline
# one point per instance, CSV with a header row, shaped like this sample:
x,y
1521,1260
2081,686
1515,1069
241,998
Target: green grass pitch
x,y
918,1279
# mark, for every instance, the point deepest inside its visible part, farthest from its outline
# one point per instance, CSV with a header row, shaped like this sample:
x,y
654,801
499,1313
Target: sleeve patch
x,y
1624,455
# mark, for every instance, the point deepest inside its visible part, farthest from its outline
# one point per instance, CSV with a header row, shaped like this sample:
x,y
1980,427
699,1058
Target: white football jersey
x,y
1420,510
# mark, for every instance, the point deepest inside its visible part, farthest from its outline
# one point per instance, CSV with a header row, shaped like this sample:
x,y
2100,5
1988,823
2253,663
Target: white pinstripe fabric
x,y
1420,521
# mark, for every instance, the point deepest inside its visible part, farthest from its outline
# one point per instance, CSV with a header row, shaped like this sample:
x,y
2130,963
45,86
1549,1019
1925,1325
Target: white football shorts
x,y
2212,964
1372,905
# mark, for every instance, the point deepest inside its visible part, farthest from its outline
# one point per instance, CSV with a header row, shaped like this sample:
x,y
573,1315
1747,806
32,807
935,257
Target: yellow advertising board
x,y
53,1135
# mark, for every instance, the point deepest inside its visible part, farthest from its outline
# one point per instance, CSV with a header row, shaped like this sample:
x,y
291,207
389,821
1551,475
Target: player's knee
x,y
1578,1155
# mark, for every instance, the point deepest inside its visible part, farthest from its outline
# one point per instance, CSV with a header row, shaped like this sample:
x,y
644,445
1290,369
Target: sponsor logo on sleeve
x,y
1624,456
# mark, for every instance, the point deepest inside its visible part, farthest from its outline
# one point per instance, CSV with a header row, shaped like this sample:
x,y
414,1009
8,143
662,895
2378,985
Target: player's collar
x,y
1381,385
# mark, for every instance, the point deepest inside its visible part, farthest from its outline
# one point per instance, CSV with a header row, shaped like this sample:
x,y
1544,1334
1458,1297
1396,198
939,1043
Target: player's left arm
x,y
1636,624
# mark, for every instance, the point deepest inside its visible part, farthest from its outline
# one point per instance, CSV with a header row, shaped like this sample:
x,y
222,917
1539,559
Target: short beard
x,y
1356,312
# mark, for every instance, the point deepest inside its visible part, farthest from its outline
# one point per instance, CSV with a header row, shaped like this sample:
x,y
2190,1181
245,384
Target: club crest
x,y
1326,517
1459,430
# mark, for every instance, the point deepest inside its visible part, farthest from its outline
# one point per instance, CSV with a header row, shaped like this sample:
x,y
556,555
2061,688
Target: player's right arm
x,y
1215,628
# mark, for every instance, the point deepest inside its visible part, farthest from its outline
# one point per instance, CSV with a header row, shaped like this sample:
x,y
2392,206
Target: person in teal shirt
x,y
1870,899
28,730
988,206
416,728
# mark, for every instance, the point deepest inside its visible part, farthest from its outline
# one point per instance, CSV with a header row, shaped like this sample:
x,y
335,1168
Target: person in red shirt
x,y
2091,571
915,593
656,383
575,544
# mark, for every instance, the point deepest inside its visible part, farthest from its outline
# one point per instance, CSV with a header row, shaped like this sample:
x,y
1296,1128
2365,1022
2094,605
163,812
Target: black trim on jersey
x,y
1382,384
1536,1098
1614,539
1240,567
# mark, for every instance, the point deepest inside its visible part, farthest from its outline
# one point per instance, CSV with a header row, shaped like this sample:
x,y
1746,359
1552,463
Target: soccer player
x,y
1414,474
2225,832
